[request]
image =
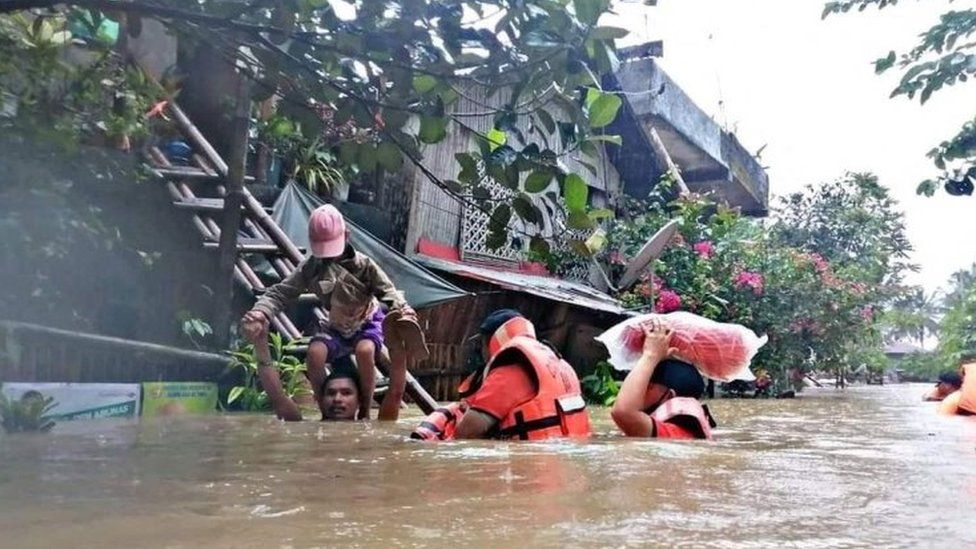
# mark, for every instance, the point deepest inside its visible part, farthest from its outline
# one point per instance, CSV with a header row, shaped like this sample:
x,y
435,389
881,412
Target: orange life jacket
x,y
685,407
967,399
558,409
441,423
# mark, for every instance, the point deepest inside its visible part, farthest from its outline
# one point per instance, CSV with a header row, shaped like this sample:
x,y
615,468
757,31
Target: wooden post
x,y
662,153
231,219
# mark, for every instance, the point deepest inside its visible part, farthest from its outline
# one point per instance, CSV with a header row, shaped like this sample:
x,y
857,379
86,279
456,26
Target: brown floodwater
x,y
869,466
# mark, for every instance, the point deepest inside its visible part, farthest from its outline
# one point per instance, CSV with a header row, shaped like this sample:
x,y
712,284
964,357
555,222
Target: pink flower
x,y
617,258
704,249
746,279
667,302
645,290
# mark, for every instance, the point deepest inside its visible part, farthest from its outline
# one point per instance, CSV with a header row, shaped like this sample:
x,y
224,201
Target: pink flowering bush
x,y
818,302
746,279
704,249
667,302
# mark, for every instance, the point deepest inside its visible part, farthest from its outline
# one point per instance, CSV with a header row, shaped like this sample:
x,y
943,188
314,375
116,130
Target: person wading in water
x,y
354,289
660,396
526,391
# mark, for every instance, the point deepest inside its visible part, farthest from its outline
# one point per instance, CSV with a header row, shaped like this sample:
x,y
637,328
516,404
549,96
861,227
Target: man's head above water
x,y
340,392
673,378
949,382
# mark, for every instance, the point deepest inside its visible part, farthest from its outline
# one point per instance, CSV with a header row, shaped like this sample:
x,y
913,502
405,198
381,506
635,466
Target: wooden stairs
x,y
263,236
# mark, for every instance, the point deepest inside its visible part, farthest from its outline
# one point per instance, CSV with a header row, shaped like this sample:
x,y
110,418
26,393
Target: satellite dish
x,y
651,251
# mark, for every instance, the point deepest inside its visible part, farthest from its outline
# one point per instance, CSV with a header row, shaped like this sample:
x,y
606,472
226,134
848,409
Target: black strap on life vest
x,y
522,428
708,415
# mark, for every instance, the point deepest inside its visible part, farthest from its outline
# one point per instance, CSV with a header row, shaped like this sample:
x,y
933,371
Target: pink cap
x,y
327,232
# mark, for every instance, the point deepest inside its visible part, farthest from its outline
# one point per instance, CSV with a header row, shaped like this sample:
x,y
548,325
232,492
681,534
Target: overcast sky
x,y
777,74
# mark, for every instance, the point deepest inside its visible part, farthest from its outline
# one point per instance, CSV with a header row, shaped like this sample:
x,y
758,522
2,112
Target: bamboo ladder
x,y
264,236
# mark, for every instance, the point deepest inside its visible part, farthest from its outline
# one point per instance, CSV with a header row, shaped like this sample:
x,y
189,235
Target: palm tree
x,y
915,315
959,282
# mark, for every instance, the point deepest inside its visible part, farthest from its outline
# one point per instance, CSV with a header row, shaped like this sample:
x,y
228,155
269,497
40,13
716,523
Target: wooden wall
x,y
570,329
436,215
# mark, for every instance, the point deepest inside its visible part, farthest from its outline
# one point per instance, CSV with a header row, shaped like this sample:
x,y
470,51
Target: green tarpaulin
x,y
422,288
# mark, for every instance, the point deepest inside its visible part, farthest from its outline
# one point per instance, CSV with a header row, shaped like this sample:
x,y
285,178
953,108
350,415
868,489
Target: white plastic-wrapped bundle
x,y
720,351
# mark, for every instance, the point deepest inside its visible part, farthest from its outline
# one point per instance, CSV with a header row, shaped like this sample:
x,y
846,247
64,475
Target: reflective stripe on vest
x,y
440,424
684,406
514,327
557,410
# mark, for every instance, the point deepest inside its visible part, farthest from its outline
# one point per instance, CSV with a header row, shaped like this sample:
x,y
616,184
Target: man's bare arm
x,y
284,407
475,424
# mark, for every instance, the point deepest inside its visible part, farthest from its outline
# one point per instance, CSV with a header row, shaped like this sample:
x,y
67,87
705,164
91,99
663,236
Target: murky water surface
x,y
870,466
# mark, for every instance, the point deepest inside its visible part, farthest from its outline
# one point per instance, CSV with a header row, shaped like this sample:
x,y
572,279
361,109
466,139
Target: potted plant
x,y
314,166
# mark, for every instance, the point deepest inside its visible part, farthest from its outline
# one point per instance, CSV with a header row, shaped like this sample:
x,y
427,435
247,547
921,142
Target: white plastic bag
x,y
720,351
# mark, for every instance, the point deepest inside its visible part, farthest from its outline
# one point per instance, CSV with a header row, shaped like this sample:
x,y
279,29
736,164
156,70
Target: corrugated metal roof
x,y
555,289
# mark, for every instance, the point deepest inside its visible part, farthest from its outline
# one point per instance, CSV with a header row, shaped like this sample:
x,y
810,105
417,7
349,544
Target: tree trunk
x,y
231,219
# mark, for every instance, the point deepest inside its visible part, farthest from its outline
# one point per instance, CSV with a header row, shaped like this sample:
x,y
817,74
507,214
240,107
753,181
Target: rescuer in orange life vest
x,y
659,396
525,391
963,401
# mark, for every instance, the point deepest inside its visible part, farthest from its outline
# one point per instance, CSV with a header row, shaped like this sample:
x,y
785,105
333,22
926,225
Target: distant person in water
x,y
949,382
660,395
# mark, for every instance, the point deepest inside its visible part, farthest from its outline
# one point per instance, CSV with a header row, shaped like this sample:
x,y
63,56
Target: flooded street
x,y
871,466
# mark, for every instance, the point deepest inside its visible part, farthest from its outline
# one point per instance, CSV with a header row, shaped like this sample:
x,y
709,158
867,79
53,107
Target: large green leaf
x,y
235,393
538,181
500,217
575,193
524,208
579,221
496,138
469,168
433,129
588,11
546,119
496,238
604,109
424,83
389,156
596,241
367,158
540,246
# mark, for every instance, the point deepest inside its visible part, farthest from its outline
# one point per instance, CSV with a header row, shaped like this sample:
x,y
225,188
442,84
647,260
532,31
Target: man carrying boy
x,y
352,287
